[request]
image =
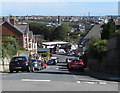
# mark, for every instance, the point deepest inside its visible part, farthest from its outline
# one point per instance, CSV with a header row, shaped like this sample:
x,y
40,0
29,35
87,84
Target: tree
x,y
42,30
61,32
9,48
12,46
108,29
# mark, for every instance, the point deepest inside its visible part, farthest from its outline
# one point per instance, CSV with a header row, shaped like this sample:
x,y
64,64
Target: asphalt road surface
x,y
55,78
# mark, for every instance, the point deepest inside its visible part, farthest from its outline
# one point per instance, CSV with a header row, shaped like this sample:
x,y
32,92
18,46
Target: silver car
x,y
37,64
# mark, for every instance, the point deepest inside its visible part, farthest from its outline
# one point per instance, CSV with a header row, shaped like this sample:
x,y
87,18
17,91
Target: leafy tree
x,y
97,48
42,30
12,45
9,48
108,29
60,32
51,33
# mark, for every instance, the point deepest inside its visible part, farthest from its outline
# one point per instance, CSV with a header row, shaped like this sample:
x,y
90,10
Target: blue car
x,y
51,62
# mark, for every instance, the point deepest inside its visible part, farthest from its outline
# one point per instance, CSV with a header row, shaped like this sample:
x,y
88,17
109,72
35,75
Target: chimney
x,y
12,21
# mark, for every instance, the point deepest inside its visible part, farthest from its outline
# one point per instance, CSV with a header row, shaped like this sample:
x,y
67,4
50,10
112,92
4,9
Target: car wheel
x,y
33,69
28,70
38,69
69,69
11,71
82,69
17,71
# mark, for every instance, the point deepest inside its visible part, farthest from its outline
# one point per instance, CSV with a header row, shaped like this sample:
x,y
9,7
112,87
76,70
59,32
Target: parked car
x,y
43,63
51,62
70,54
76,64
37,64
21,63
69,59
56,59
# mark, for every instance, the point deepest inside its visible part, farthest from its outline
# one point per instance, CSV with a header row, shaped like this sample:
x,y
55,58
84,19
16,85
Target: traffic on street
x,y
55,77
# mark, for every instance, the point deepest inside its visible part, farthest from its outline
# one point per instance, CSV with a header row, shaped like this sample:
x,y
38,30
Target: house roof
x,y
55,43
12,26
117,22
22,28
94,32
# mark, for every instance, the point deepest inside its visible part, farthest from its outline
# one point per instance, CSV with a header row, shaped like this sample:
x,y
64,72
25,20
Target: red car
x,y
76,64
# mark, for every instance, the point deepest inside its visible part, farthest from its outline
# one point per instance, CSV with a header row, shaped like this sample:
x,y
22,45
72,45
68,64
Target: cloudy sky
x,y
58,7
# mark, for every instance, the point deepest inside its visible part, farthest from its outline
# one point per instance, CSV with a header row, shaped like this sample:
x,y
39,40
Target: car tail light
x,y
35,63
26,62
81,63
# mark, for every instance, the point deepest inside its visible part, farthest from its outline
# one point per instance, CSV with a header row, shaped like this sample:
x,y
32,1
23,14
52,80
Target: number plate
x,y
18,67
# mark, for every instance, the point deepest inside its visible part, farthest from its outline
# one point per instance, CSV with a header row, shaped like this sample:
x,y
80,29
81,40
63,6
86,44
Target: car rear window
x,y
16,59
34,60
76,60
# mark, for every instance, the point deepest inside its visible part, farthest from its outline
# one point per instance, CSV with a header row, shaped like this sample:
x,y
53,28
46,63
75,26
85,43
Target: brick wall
x,y
9,30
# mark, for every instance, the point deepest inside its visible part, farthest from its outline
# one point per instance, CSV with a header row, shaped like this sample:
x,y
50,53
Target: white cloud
x,y
59,0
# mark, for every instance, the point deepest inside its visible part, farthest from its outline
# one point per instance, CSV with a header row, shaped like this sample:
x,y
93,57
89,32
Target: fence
x,y
5,65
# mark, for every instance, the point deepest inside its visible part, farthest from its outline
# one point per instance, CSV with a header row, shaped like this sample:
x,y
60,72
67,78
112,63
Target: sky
x,y
58,7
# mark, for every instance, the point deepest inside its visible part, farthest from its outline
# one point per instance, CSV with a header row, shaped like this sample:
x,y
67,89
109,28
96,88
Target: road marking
x,y
90,82
75,77
78,81
35,80
102,83
114,82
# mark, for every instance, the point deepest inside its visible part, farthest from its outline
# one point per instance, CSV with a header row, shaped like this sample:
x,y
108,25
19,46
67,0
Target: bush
x,y
97,48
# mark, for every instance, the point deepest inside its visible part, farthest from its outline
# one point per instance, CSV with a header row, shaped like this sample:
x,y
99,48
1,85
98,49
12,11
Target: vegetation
x,y
42,30
50,33
61,32
97,48
46,54
108,30
9,48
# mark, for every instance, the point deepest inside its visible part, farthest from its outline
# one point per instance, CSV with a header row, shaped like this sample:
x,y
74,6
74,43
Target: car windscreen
x,y
18,59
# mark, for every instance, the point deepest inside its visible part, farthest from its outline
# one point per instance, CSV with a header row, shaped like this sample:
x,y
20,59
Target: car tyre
x,y
17,71
28,70
33,69
11,71
82,69
69,69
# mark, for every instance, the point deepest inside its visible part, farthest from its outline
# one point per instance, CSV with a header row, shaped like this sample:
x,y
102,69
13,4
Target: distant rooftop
x,y
94,32
54,43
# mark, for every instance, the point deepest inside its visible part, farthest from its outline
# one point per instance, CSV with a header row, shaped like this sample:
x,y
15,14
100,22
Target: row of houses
x,y
21,32
94,32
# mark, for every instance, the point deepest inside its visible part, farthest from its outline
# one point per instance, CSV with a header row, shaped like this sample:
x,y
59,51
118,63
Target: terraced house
x,y
24,36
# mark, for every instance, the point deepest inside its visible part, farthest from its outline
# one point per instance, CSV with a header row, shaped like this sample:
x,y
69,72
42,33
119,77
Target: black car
x,y
21,63
37,64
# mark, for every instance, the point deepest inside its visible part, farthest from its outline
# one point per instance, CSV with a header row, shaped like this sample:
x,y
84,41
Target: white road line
x,y
35,80
114,82
75,77
102,83
78,81
90,82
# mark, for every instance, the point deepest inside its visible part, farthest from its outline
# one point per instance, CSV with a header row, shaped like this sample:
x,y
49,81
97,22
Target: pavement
x,y
103,75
